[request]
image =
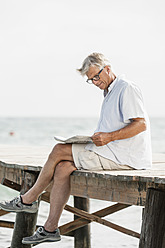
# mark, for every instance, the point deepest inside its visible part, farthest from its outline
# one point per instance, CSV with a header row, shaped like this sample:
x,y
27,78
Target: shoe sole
x,y
38,242
18,211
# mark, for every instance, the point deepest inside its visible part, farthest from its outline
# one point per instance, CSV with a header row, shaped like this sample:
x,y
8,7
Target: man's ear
x,y
108,68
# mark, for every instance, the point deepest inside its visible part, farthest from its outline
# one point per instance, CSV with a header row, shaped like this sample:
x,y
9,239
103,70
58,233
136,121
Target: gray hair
x,y
94,59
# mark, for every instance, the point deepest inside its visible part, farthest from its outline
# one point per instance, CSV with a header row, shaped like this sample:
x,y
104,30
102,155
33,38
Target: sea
x,y
41,132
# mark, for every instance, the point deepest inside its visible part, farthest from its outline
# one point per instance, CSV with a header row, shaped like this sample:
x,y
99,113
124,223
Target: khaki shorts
x,y
88,160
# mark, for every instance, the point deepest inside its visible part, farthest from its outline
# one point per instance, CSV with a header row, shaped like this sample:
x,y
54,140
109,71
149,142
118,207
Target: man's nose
x,y
96,82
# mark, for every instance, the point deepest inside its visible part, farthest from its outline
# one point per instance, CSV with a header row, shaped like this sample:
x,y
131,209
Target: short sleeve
x,y
131,103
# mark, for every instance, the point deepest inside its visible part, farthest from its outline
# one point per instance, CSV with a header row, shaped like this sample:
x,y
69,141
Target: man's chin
x,y
102,87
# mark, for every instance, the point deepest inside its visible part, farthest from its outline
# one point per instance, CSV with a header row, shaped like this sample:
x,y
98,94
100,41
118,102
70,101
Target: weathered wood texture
x,y
121,186
82,235
25,223
124,187
6,224
153,226
2,212
80,222
97,219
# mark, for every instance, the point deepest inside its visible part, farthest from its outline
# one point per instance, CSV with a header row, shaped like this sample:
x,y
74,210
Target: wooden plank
x,y
11,184
125,175
97,219
153,226
9,224
2,212
127,187
99,186
24,155
131,193
36,155
20,166
13,173
82,235
92,217
32,158
89,217
73,225
25,223
158,158
126,192
6,224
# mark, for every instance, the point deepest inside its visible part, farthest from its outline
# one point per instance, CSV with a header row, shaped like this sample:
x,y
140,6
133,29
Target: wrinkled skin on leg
x,y
59,194
60,152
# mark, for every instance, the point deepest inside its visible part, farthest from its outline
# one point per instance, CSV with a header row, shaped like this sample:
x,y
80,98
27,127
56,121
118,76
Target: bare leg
x,y
59,194
59,153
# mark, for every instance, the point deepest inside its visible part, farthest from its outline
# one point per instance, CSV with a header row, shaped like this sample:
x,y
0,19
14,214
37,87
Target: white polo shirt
x,y
123,102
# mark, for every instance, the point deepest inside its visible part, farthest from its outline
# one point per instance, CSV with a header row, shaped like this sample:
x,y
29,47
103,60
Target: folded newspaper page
x,y
75,139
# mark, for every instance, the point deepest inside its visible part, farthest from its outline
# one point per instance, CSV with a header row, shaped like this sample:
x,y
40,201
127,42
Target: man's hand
x,y
101,139
136,126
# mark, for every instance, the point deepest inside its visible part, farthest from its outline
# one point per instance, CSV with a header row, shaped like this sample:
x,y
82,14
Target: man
x,y
121,142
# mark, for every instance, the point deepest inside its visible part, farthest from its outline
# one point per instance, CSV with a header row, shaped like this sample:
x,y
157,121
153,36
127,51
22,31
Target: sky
x,y
43,42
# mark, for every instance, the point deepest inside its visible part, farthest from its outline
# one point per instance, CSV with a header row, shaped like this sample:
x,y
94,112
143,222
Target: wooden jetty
x,y
20,166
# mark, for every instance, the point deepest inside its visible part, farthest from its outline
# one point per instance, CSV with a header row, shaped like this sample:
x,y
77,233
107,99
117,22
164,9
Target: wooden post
x,y
153,225
25,223
82,235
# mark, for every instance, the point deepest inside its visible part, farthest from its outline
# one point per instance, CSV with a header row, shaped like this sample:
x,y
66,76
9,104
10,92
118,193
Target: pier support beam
x,y
82,235
25,223
153,226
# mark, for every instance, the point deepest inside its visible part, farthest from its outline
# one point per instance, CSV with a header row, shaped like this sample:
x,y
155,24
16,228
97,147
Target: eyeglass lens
x,y
95,78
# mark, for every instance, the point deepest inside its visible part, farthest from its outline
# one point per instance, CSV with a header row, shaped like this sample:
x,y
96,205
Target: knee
x,y
56,151
64,169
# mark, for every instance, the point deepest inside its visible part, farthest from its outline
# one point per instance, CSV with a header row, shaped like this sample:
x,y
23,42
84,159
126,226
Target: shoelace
x,y
37,234
16,200
40,229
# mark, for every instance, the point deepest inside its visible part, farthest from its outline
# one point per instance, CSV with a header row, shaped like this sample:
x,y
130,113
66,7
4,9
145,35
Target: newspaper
x,y
79,139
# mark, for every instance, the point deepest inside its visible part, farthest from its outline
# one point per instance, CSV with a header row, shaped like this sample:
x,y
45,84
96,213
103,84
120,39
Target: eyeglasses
x,y
95,78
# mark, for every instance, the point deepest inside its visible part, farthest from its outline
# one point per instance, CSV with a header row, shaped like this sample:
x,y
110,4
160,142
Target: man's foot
x,y
16,205
41,235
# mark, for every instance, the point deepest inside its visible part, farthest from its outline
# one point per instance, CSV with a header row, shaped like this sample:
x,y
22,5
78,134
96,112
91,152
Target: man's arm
x,y
136,126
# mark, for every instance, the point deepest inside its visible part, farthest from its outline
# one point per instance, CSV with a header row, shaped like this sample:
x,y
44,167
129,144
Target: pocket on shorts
x,y
89,160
